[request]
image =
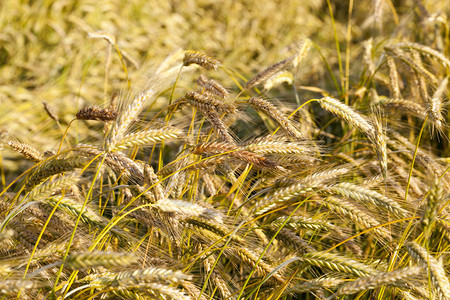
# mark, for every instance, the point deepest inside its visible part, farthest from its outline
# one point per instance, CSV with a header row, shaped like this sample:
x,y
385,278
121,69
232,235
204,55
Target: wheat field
x,y
224,149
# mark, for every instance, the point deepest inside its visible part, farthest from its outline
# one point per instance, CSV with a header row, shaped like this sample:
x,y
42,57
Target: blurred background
x,y
51,50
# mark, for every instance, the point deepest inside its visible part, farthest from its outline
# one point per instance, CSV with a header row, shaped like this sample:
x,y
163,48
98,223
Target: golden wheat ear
x,y
435,107
27,151
348,114
130,111
270,110
201,59
213,87
435,269
393,278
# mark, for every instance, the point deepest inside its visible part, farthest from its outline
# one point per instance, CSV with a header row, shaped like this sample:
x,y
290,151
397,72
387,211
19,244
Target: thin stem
x,y
414,157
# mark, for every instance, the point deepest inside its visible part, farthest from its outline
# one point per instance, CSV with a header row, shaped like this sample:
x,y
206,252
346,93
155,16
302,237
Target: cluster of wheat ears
x,y
230,193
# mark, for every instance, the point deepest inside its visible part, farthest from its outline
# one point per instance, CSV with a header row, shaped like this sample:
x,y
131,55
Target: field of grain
x,y
207,149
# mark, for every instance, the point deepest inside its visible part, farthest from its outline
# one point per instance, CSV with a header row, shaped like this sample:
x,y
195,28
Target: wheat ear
x,y
213,87
96,113
145,137
50,111
208,101
270,110
354,213
201,59
86,260
128,115
252,259
27,151
348,114
314,284
268,72
338,263
387,278
358,193
430,212
402,105
435,269
393,77
435,107
428,51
